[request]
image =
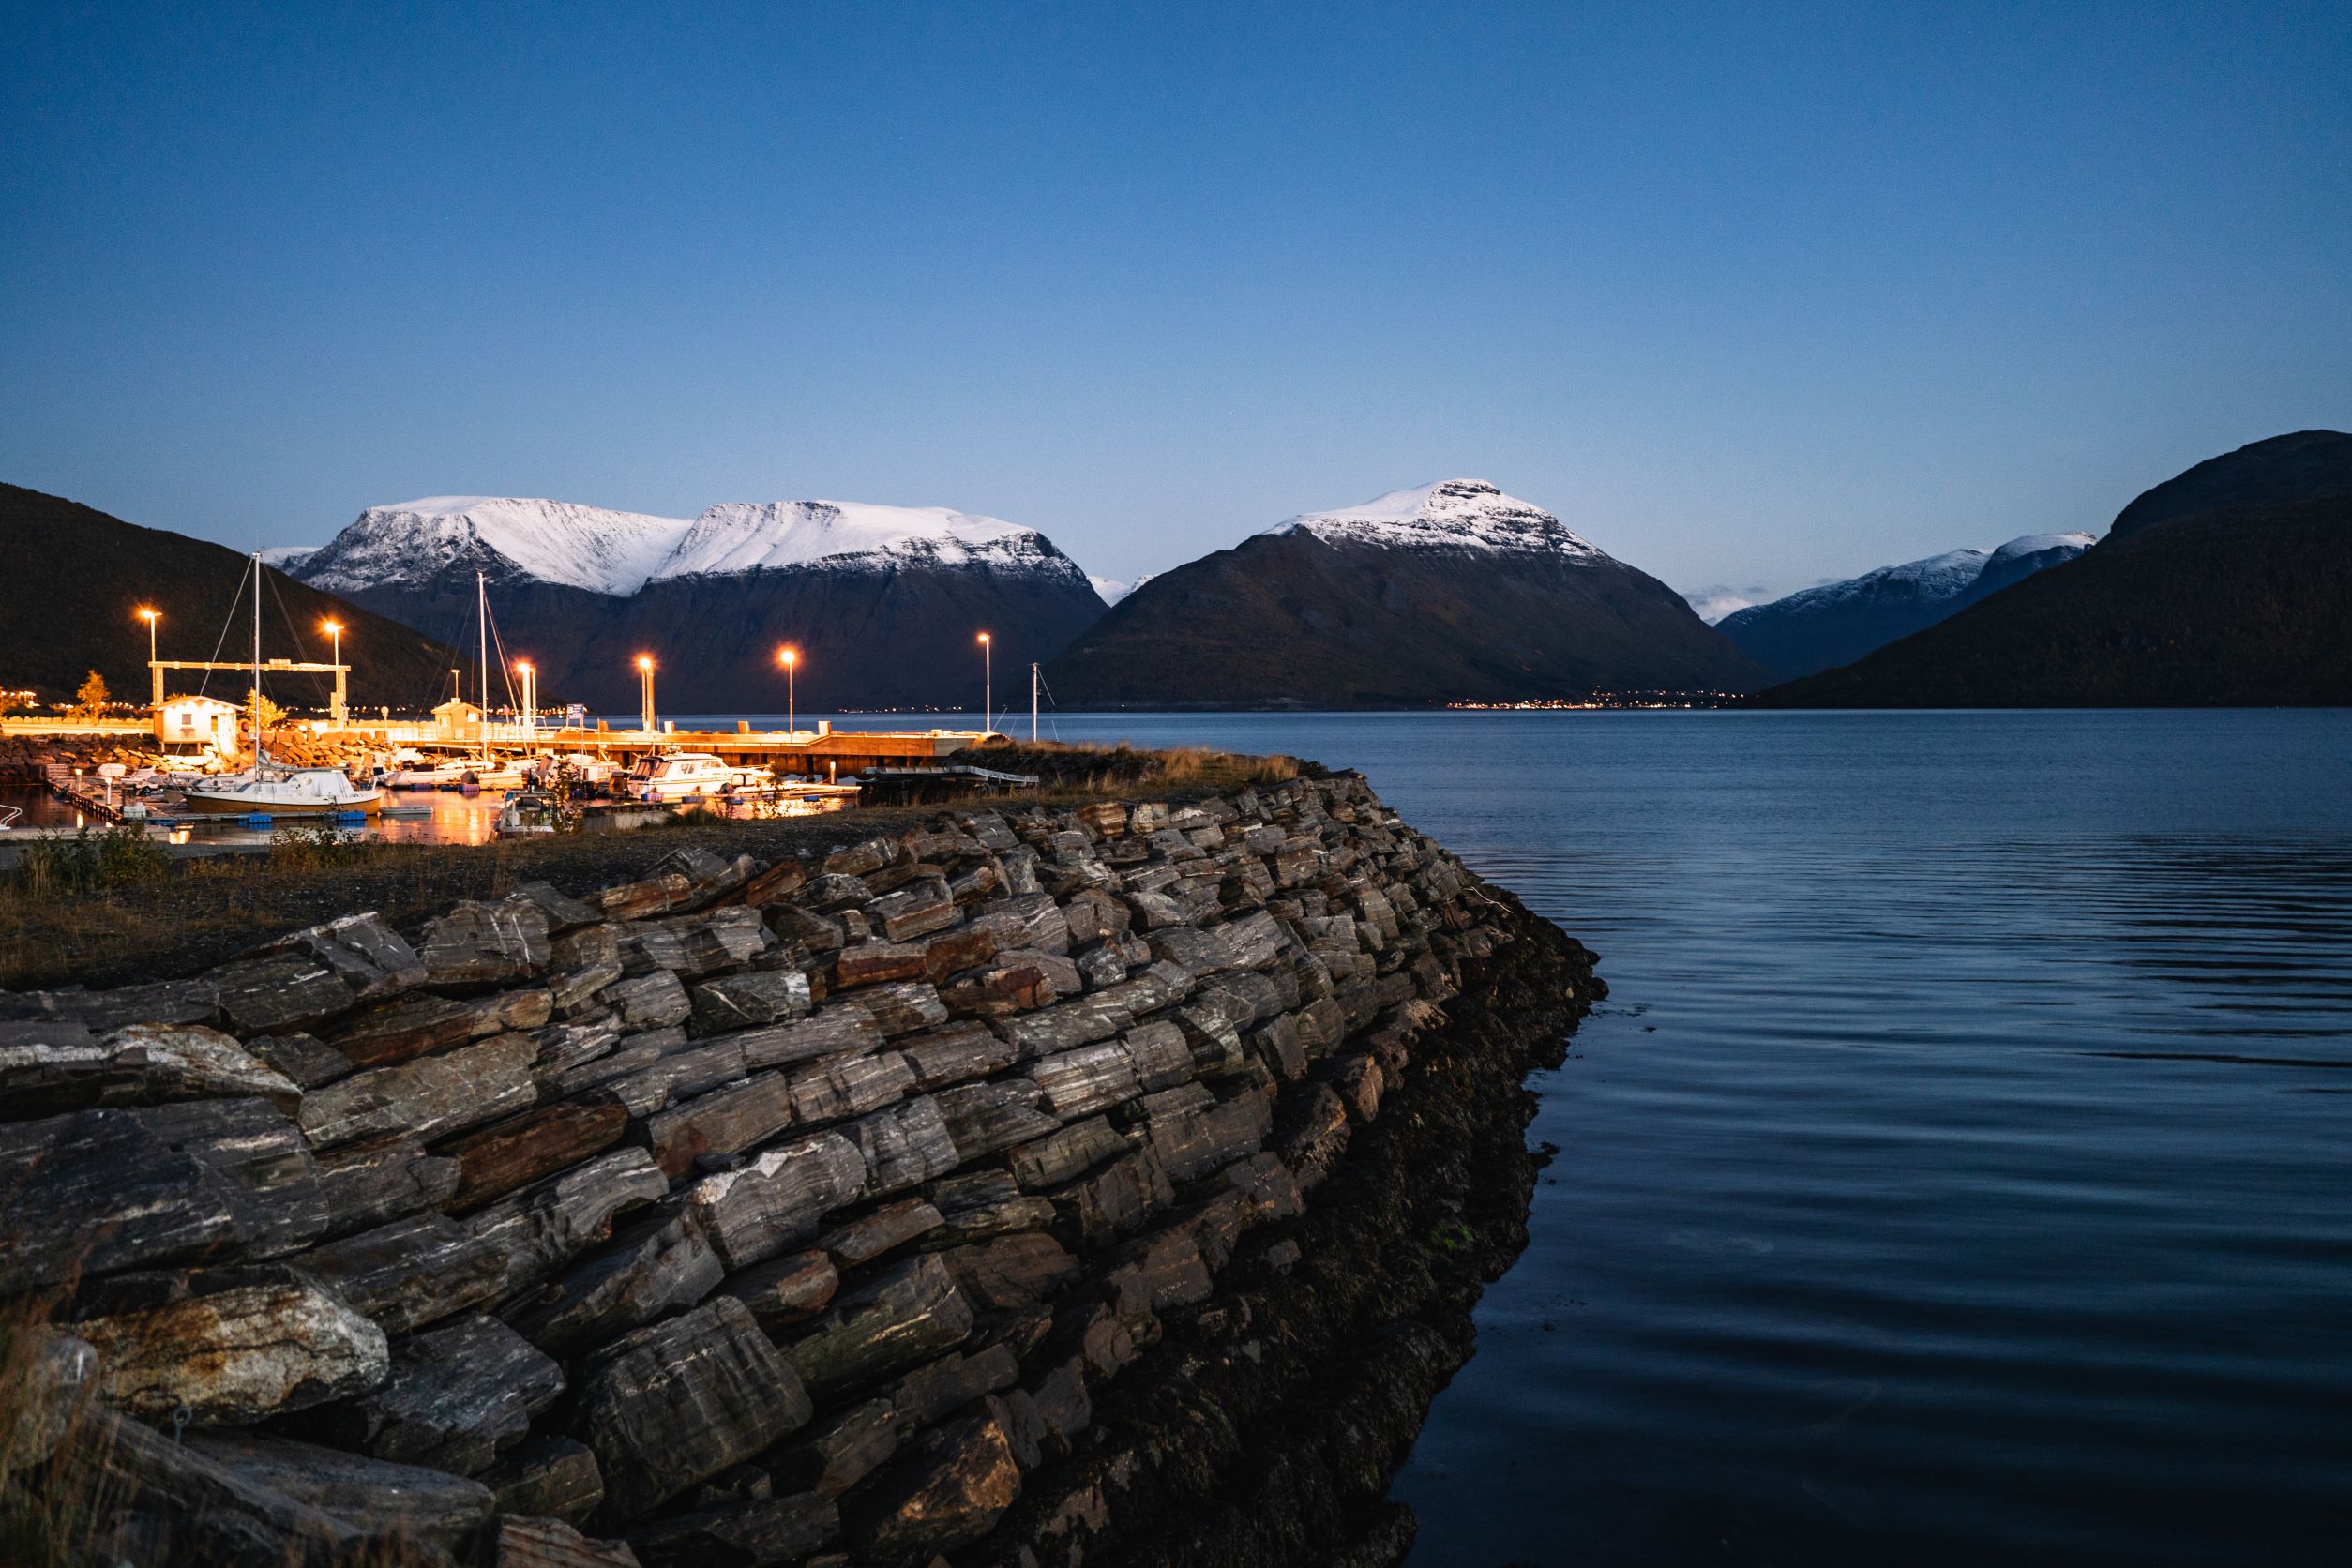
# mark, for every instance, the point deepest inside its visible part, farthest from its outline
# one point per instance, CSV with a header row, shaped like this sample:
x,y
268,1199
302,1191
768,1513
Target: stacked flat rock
x,y
742,1214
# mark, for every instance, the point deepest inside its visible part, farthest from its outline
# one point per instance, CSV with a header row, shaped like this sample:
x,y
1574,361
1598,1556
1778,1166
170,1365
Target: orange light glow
x,y
523,665
331,627
644,661
788,656
984,636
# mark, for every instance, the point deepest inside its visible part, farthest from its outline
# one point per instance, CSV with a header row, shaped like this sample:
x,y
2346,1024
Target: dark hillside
x,y
1290,620
2245,605
2304,466
76,577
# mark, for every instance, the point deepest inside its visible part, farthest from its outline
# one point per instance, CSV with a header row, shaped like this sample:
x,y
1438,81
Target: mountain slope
x,y
2303,466
1452,591
884,602
71,609
2245,605
1838,623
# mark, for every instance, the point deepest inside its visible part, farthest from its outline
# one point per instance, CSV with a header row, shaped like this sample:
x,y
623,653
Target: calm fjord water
x,y
1962,1167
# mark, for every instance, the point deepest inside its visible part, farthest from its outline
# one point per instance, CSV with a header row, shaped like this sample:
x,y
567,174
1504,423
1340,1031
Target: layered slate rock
x,y
230,1349
678,1402
740,1214
455,1397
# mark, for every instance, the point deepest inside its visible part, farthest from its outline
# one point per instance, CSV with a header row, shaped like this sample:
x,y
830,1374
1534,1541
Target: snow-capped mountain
x,y
1446,591
1837,622
852,535
710,597
1450,514
511,539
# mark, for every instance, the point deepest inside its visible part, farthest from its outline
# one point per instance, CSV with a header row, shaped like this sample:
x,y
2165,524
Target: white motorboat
x,y
683,775
296,792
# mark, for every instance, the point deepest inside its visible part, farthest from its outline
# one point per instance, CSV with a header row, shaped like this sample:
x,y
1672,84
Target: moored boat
x,y
683,775
297,792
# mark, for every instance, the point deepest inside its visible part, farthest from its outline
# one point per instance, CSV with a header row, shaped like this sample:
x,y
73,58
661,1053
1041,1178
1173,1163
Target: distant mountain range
x,y
2226,583
2229,585
883,602
1449,591
1838,623
81,576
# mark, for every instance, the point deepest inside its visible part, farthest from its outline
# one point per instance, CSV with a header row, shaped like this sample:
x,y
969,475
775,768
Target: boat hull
x,y
219,806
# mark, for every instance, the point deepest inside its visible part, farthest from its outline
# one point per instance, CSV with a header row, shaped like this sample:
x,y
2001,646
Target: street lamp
x,y
645,697
335,630
530,696
988,681
790,658
151,616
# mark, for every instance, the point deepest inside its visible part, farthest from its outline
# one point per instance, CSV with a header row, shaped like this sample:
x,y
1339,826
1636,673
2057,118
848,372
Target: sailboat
x,y
285,792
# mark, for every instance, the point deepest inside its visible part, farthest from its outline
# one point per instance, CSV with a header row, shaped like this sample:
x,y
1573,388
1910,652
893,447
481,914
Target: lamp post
x,y
646,696
987,682
149,615
335,630
790,658
530,697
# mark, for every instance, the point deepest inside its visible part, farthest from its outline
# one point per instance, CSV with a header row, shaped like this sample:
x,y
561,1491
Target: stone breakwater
x,y
1032,1188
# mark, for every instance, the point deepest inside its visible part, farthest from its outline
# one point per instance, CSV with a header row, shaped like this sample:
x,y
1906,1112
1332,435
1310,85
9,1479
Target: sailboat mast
x,y
1033,706
481,611
258,753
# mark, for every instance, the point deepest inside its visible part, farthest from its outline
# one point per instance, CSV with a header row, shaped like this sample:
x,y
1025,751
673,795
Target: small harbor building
x,y
457,720
194,723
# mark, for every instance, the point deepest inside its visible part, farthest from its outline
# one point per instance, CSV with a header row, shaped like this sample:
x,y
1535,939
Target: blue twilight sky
x,y
1750,295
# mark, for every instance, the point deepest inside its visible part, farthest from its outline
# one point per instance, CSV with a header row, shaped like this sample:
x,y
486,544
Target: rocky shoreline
x,y
1107,1186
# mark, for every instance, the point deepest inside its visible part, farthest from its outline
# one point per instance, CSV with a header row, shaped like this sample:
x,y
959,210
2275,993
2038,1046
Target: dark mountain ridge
x,y
2229,585
1451,592
81,574
2248,605
2302,466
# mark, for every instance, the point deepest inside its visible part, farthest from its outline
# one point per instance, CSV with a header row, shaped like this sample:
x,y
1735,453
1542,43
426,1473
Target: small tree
x,y
89,701
272,715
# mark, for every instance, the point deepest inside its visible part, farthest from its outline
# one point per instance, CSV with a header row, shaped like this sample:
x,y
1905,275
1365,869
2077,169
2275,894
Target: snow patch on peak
x,y
288,558
1110,589
2036,544
512,538
746,537
1449,513
1932,578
